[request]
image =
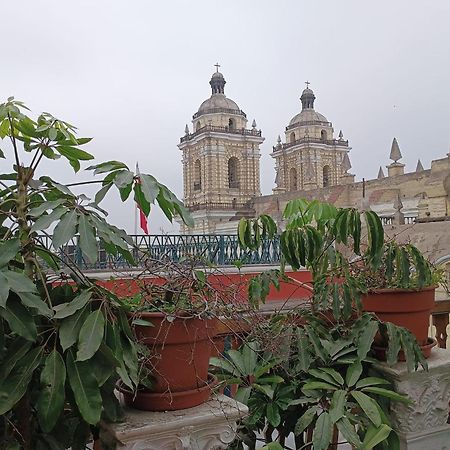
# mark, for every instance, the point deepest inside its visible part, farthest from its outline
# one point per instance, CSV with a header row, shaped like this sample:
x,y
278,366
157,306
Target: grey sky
x,y
132,73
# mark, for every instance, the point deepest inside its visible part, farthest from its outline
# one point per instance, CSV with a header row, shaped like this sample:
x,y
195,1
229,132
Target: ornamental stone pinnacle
x,y
395,151
186,129
346,164
380,173
419,167
341,135
254,123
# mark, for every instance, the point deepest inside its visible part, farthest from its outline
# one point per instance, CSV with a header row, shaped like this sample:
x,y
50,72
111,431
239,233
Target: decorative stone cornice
x,y
211,426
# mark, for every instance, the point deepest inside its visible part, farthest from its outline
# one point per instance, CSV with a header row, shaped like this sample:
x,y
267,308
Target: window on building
x,y
231,124
326,176
323,135
292,138
197,175
293,179
198,126
233,172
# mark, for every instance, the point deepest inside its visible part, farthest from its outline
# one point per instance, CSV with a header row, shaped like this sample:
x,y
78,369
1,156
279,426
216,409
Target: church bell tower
x,y
220,163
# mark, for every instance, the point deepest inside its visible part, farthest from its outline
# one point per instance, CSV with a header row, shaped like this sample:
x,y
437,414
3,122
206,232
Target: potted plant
x,y
176,323
401,290
64,339
321,385
328,241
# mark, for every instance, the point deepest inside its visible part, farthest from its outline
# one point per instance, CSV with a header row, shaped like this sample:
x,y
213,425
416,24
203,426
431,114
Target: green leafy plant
x,y
325,384
402,266
318,237
63,343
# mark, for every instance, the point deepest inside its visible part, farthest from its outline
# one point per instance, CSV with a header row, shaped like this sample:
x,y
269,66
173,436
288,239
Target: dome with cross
x,y
218,102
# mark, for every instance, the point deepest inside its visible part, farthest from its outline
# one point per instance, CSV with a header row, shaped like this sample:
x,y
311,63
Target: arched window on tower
x,y
326,176
293,179
292,138
323,135
198,126
231,124
197,175
233,172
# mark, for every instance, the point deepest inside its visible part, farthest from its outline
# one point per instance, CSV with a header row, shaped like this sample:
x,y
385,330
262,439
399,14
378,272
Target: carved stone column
x,y
211,426
423,424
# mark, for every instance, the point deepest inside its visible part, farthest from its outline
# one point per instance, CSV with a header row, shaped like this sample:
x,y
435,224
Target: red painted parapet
x,y
233,285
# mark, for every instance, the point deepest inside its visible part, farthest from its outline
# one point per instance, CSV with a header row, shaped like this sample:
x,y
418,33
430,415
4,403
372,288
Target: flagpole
x,y
136,207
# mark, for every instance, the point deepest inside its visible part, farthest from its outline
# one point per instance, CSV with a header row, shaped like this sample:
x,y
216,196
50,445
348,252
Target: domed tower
x,y
311,157
220,162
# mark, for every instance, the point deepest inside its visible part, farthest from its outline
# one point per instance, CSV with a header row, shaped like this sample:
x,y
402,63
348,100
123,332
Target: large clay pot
x,y
179,357
406,308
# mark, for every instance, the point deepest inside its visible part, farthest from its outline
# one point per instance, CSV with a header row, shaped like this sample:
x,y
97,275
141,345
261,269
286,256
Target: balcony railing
x,y
237,112
221,250
309,123
216,129
219,205
311,140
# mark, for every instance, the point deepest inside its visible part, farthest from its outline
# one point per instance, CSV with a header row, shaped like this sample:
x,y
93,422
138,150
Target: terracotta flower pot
x,y
179,355
406,308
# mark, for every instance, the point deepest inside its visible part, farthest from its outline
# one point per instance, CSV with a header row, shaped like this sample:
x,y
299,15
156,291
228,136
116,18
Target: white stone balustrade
x,y
211,426
423,425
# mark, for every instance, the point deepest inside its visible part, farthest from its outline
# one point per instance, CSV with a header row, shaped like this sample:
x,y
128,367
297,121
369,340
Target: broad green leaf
x,y
387,393
19,320
67,309
14,387
85,389
8,251
16,351
370,381
104,364
375,435
43,222
88,243
369,406
318,373
100,195
74,153
69,329
323,432
107,166
366,339
4,289
52,392
45,206
273,414
272,446
353,373
314,385
305,420
337,406
348,431
123,178
19,282
150,187
34,301
65,230
91,335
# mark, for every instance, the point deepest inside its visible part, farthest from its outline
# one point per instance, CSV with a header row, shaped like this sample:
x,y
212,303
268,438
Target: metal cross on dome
x,y
307,84
217,65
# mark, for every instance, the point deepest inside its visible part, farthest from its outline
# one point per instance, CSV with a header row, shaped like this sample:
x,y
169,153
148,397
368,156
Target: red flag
x,y
143,223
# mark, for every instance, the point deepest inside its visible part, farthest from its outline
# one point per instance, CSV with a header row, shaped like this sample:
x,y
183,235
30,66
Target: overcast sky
x,y
131,74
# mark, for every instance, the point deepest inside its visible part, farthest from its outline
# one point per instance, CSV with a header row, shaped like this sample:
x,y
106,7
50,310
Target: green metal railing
x,y
216,249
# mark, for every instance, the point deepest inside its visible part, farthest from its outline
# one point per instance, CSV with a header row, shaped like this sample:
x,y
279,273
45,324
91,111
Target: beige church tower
x,y
311,158
220,163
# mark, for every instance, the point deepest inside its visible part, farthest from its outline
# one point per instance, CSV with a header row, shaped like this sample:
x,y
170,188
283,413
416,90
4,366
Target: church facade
x,y
222,181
